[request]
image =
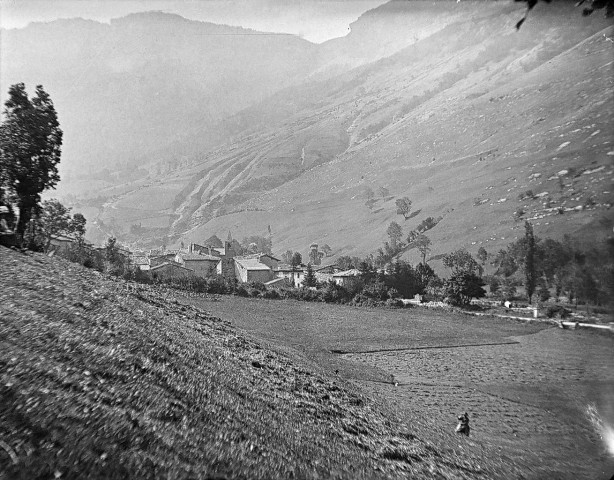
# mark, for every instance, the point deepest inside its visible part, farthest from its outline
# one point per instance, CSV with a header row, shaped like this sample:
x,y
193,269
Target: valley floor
x,y
526,387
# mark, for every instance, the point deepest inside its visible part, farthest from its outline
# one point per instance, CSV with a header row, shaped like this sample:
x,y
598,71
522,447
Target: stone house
x,y
170,270
60,243
325,273
294,275
156,260
347,278
201,264
252,270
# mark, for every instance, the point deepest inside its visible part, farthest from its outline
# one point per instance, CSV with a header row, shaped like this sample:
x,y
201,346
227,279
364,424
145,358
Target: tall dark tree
x,y
425,274
530,275
296,260
461,261
30,149
310,277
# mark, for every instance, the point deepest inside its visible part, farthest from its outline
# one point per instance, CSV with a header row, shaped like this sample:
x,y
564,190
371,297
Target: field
x,y
526,386
102,379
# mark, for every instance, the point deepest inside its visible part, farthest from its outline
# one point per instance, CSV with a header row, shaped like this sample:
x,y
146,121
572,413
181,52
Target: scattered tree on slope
x,y
403,207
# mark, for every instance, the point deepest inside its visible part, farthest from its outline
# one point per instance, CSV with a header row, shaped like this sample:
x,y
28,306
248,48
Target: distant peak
x,y
152,15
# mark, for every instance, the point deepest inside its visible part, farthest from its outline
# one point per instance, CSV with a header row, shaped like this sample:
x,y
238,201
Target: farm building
x,y
294,275
347,278
140,261
156,260
170,270
278,282
251,270
269,260
60,243
325,273
203,265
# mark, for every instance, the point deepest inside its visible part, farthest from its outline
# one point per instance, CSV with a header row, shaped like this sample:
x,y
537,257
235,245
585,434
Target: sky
x,y
314,20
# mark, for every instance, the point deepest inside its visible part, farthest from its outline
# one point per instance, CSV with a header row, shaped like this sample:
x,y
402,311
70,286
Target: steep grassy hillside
x,y
480,125
101,379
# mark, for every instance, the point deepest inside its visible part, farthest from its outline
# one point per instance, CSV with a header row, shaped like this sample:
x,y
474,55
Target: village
x,y
216,257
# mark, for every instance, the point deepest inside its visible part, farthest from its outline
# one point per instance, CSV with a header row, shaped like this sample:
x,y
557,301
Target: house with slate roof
x,y
156,260
170,270
294,275
347,277
252,270
202,265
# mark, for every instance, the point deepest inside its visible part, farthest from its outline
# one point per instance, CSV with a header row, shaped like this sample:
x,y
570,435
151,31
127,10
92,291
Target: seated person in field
x,y
463,424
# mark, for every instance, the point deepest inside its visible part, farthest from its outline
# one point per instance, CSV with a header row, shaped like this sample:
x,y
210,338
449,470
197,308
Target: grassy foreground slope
x,y
100,379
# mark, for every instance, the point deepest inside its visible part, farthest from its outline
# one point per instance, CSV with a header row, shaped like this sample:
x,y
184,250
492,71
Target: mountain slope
x,y
133,86
463,122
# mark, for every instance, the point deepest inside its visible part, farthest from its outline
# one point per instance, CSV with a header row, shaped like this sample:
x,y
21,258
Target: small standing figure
x,y
7,235
463,424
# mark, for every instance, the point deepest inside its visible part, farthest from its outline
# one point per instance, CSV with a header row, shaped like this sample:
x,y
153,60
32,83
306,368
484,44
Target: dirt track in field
x,y
526,387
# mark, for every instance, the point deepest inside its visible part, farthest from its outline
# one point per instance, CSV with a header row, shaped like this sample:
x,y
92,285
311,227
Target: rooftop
x,y
191,257
251,264
170,264
348,273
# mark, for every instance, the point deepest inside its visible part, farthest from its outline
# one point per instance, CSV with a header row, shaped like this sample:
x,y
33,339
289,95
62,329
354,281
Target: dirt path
x,y
525,386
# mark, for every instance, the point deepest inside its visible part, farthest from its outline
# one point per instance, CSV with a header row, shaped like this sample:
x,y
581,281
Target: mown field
x,y
526,386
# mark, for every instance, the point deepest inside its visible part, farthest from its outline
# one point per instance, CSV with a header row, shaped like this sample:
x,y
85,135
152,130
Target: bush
x,y
219,284
254,292
544,293
257,286
308,295
461,287
361,300
375,290
557,311
394,303
241,291
271,294
333,293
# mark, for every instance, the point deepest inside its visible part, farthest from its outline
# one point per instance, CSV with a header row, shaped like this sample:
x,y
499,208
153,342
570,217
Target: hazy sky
x,y
314,20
